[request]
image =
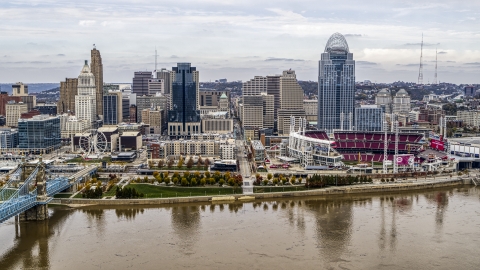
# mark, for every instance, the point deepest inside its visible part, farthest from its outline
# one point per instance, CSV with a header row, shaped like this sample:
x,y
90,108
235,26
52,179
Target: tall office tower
x,y
97,69
291,101
252,114
68,91
19,89
112,108
268,114
184,117
13,112
336,85
401,102
156,86
85,100
369,118
166,76
384,98
255,86
125,109
140,82
273,88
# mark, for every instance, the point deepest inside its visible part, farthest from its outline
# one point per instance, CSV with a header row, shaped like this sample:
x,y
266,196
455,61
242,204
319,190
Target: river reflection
x,y
436,229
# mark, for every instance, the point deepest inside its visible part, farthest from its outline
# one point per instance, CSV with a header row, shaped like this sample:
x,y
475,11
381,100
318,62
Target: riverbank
x,y
329,191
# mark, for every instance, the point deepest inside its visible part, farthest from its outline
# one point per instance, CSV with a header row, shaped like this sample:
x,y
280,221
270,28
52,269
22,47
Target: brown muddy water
x,y
415,230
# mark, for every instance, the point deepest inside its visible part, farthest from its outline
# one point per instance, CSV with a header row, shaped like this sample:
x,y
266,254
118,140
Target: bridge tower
x,y
40,211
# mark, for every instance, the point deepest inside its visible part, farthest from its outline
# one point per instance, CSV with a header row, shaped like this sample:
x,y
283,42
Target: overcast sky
x,y
46,41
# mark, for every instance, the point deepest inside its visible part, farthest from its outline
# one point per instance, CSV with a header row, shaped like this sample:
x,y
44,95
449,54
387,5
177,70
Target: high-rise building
x,y
85,100
39,134
133,113
166,76
255,86
19,89
401,102
68,91
156,86
14,112
140,82
384,98
97,70
369,118
184,116
112,108
336,85
274,89
291,101
311,109
4,99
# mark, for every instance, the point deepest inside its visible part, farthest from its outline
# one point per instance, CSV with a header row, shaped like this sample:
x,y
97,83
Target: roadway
x,y
242,161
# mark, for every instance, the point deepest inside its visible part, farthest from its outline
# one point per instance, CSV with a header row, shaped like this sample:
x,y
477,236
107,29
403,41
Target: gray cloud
x,y
412,65
366,63
60,54
174,56
473,64
284,59
419,44
353,35
442,52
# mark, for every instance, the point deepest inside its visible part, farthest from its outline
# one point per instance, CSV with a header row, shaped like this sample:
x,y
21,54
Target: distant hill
x,y
32,87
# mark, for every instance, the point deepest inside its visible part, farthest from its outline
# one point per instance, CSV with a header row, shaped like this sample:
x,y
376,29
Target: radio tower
x,y
436,58
420,71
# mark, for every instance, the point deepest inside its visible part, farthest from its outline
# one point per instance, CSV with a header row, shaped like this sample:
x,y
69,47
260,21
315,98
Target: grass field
x,y
277,189
152,191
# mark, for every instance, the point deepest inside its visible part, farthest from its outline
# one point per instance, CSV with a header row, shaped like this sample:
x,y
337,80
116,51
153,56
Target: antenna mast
x,y
156,55
420,71
436,61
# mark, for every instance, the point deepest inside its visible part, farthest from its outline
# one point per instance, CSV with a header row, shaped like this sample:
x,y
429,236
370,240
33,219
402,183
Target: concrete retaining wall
x,y
331,191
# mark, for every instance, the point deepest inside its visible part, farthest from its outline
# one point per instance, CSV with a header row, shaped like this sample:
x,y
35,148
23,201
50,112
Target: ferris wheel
x,y
93,142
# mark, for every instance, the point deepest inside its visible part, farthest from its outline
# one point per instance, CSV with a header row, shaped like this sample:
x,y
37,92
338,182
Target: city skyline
x,y
44,41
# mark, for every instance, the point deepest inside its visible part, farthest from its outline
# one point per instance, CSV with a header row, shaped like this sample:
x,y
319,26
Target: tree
x,y
200,161
265,182
269,176
184,182
160,163
180,163
203,181
207,174
221,182
293,180
190,163
193,182
167,180
207,163
175,180
170,163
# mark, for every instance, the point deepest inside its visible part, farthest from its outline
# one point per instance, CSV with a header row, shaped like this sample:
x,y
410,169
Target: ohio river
x,y
422,230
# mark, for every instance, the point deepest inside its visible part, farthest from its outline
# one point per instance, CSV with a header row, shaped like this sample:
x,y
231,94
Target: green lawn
x,y
152,191
78,196
63,195
111,192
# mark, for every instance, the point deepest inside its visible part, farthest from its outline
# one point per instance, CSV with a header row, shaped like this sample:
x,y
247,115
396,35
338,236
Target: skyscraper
x,y
97,69
85,101
112,108
184,116
68,91
336,85
140,82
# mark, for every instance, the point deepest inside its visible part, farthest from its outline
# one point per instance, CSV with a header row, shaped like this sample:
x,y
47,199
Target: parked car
x,y
273,166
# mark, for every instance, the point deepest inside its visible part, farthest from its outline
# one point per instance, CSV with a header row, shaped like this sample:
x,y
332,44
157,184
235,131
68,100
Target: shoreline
x,y
325,192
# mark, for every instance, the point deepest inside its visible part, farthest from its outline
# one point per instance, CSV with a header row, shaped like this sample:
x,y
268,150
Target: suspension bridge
x,y
28,191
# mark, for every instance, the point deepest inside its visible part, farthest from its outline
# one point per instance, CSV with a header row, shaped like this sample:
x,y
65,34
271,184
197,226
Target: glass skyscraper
x,y
336,85
41,132
184,116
